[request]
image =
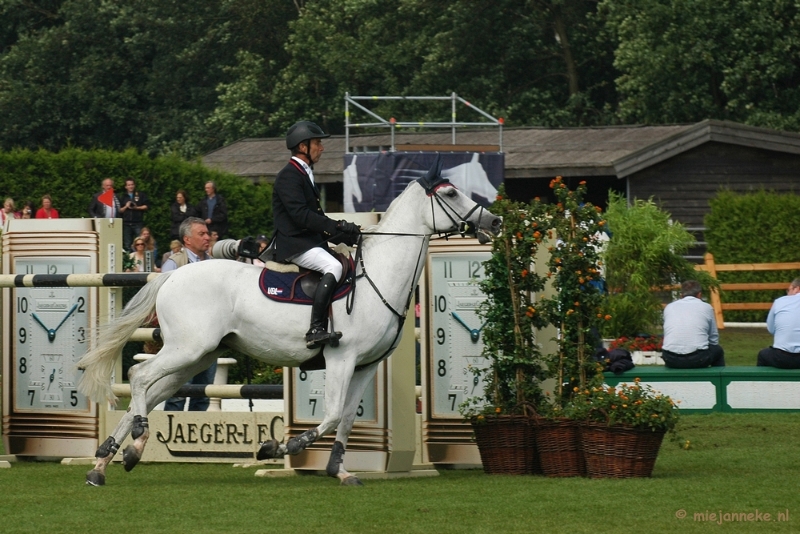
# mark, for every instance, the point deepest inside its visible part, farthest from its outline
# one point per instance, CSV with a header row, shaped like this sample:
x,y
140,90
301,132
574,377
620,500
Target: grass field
x,y
735,464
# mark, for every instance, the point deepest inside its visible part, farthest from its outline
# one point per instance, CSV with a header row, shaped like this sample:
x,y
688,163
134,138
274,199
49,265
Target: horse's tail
x,y
98,363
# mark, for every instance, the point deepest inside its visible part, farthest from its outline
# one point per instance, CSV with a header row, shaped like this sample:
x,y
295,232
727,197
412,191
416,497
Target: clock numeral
x,y
360,410
440,336
448,269
23,365
23,335
73,398
52,269
81,335
474,269
439,303
81,304
303,376
313,404
441,368
31,392
22,304
29,269
452,398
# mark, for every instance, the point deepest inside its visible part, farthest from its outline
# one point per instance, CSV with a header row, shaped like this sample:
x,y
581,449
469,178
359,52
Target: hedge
x,y
74,175
758,227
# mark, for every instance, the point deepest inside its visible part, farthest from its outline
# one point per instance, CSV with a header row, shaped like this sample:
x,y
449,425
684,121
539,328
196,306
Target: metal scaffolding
x,y
393,124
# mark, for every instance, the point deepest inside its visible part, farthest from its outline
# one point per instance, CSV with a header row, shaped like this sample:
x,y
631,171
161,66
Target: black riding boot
x,y
318,334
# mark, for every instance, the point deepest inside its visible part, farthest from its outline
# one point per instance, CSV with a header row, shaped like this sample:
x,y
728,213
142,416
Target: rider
x,y
302,230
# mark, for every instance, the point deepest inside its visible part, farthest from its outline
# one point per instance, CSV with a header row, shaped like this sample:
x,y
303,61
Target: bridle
x,y
461,226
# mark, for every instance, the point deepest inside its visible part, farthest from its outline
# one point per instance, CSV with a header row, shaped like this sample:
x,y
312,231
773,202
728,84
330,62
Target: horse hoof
x,y
95,478
352,481
268,450
130,457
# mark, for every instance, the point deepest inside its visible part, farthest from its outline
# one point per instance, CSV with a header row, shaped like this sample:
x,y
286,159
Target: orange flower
x,y
498,410
519,235
608,317
524,273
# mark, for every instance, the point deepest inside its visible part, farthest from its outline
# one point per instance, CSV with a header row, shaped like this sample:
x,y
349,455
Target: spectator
x,y
214,210
138,256
194,234
691,339
133,204
263,243
150,250
7,213
212,240
180,210
47,211
174,248
104,204
783,322
28,210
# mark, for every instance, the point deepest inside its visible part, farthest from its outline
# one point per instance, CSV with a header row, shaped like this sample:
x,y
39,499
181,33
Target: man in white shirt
x,y
691,339
783,322
194,234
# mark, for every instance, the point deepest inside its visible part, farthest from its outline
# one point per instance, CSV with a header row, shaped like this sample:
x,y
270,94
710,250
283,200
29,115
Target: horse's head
x,y
453,211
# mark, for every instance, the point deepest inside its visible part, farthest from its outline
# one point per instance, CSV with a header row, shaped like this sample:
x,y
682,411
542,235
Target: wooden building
x,y
680,166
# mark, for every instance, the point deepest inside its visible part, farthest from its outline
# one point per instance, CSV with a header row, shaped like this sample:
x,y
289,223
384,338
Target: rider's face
x,y
316,150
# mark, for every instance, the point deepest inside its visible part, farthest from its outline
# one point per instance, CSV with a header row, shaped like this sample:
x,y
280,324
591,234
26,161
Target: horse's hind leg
x,y
335,467
105,453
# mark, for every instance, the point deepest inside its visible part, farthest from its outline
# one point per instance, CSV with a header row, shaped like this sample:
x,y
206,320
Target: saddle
x,y
289,283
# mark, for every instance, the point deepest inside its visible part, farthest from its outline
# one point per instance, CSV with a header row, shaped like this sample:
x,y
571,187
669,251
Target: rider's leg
x,y
319,259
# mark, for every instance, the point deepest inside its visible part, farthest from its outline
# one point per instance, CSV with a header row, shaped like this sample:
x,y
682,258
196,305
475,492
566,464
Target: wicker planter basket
x,y
619,451
507,445
559,446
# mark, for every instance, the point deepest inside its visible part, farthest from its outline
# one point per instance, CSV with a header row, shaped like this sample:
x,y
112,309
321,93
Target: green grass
x,y
741,345
736,463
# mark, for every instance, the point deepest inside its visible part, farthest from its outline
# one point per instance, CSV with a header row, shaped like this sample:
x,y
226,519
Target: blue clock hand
x,y
51,334
70,312
474,335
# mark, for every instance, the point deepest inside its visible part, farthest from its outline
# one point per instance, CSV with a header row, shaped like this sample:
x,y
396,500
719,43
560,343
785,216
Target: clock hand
x,y
70,312
51,334
475,381
474,335
52,377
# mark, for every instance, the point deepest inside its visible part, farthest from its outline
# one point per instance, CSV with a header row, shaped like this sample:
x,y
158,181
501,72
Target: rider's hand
x,y
347,227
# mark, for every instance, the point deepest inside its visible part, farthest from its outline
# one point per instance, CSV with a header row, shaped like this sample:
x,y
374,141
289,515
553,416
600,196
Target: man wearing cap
x,y
302,230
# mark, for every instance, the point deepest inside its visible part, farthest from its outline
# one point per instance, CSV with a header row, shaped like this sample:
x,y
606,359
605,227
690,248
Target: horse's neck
x,y
394,262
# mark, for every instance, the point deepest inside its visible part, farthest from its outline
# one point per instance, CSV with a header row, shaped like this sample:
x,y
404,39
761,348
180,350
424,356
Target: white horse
x,y
471,178
198,325
351,186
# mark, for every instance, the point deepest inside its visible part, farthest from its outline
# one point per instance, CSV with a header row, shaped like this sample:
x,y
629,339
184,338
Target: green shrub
x,y
73,176
758,227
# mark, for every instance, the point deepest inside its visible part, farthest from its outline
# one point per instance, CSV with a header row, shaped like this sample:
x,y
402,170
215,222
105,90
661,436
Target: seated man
x,y
783,322
691,339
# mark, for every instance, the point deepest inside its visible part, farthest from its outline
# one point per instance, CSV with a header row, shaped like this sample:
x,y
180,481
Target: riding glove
x,y
347,227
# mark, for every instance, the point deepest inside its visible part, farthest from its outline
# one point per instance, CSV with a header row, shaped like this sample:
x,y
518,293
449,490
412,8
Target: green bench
x,y
721,389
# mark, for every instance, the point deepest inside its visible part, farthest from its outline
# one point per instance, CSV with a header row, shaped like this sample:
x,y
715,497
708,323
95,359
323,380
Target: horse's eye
x,y
452,193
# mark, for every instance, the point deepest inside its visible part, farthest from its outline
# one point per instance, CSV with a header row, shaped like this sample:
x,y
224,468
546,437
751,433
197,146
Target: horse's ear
x,y
434,176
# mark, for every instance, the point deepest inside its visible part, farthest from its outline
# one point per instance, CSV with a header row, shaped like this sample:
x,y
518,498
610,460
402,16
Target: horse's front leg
x,y
337,380
358,385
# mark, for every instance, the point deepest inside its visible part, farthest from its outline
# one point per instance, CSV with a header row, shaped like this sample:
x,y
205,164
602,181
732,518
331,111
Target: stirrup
x,y
318,338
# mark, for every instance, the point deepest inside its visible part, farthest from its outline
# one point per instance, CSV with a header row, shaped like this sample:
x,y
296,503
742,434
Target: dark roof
x,y
529,152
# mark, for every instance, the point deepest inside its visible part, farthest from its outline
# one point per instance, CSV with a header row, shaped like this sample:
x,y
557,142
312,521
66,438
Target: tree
x,y
688,60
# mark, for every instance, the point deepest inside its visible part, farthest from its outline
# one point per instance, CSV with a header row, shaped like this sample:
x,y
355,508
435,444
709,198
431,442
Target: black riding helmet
x,y
303,131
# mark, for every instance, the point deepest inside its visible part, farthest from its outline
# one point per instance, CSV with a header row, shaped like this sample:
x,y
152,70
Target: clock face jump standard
x,y
50,335
455,335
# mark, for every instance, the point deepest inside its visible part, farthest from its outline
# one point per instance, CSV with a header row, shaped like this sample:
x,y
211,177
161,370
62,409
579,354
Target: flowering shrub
x,y
511,313
576,309
642,343
636,405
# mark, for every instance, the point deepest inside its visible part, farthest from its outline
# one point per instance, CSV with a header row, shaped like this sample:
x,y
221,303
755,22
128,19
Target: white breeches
x,y
320,260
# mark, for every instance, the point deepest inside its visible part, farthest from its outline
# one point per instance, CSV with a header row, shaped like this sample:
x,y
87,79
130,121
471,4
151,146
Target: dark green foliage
x,y
759,227
73,176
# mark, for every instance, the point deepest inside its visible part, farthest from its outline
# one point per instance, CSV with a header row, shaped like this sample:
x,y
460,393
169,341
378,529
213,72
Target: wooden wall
x,y
684,184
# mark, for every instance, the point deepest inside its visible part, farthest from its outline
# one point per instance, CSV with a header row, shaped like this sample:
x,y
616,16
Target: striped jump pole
x,y
77,280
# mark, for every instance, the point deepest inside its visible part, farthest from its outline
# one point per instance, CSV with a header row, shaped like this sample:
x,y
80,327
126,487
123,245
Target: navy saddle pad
x,y
288,287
